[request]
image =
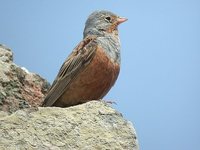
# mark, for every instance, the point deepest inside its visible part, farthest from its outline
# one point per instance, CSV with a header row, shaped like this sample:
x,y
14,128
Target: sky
x,y
158,88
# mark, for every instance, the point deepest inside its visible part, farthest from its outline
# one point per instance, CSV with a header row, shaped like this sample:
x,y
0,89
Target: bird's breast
x,y
93,82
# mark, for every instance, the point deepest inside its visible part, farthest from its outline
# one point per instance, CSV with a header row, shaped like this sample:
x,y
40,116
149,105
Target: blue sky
x,y
159,84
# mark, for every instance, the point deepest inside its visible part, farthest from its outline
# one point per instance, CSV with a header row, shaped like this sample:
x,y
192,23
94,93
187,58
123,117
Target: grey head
x,y
101,22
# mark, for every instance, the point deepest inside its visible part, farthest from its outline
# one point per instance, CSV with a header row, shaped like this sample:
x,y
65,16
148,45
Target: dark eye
x,y
108,19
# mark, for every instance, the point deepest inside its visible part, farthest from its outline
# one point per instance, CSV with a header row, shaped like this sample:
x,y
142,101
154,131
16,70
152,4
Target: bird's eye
x,y
108,19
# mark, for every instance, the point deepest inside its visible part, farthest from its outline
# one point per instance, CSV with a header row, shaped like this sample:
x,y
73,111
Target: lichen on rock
x,y
18,88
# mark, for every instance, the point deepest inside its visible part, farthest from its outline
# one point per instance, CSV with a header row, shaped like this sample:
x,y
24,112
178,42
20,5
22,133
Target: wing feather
x,y
77,60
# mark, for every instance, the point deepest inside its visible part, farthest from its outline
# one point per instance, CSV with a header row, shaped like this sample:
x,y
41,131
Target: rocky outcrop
x,y
18,87
93,125
24,125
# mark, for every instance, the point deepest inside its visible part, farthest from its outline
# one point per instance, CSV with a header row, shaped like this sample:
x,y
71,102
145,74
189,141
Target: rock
x,y
18,87
93,125
24,125
6,54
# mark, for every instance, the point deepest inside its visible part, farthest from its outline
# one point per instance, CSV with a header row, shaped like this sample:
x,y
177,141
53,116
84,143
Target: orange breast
x,y
93,82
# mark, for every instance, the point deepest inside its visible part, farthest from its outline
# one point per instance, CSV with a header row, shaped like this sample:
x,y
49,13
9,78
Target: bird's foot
x,y
108,101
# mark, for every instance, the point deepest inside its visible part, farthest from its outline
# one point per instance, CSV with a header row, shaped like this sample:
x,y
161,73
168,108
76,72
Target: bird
x,y
93,66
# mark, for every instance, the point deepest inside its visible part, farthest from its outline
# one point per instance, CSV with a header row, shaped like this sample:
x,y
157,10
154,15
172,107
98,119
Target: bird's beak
x,y
121,20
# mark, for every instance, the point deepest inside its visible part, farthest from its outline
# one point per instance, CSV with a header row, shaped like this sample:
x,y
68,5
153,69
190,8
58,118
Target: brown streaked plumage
x,y
93,66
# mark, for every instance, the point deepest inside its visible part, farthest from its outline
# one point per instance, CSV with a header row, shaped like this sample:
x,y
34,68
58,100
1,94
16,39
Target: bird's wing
x,y
77,60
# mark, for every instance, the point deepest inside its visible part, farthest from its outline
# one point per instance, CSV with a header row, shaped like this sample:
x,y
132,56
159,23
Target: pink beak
x,y
121,20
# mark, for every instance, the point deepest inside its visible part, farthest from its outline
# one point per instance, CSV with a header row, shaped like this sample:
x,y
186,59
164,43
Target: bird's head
x,y
102,22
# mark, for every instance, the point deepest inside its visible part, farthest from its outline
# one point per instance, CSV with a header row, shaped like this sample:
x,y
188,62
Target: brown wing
x,y
77,60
